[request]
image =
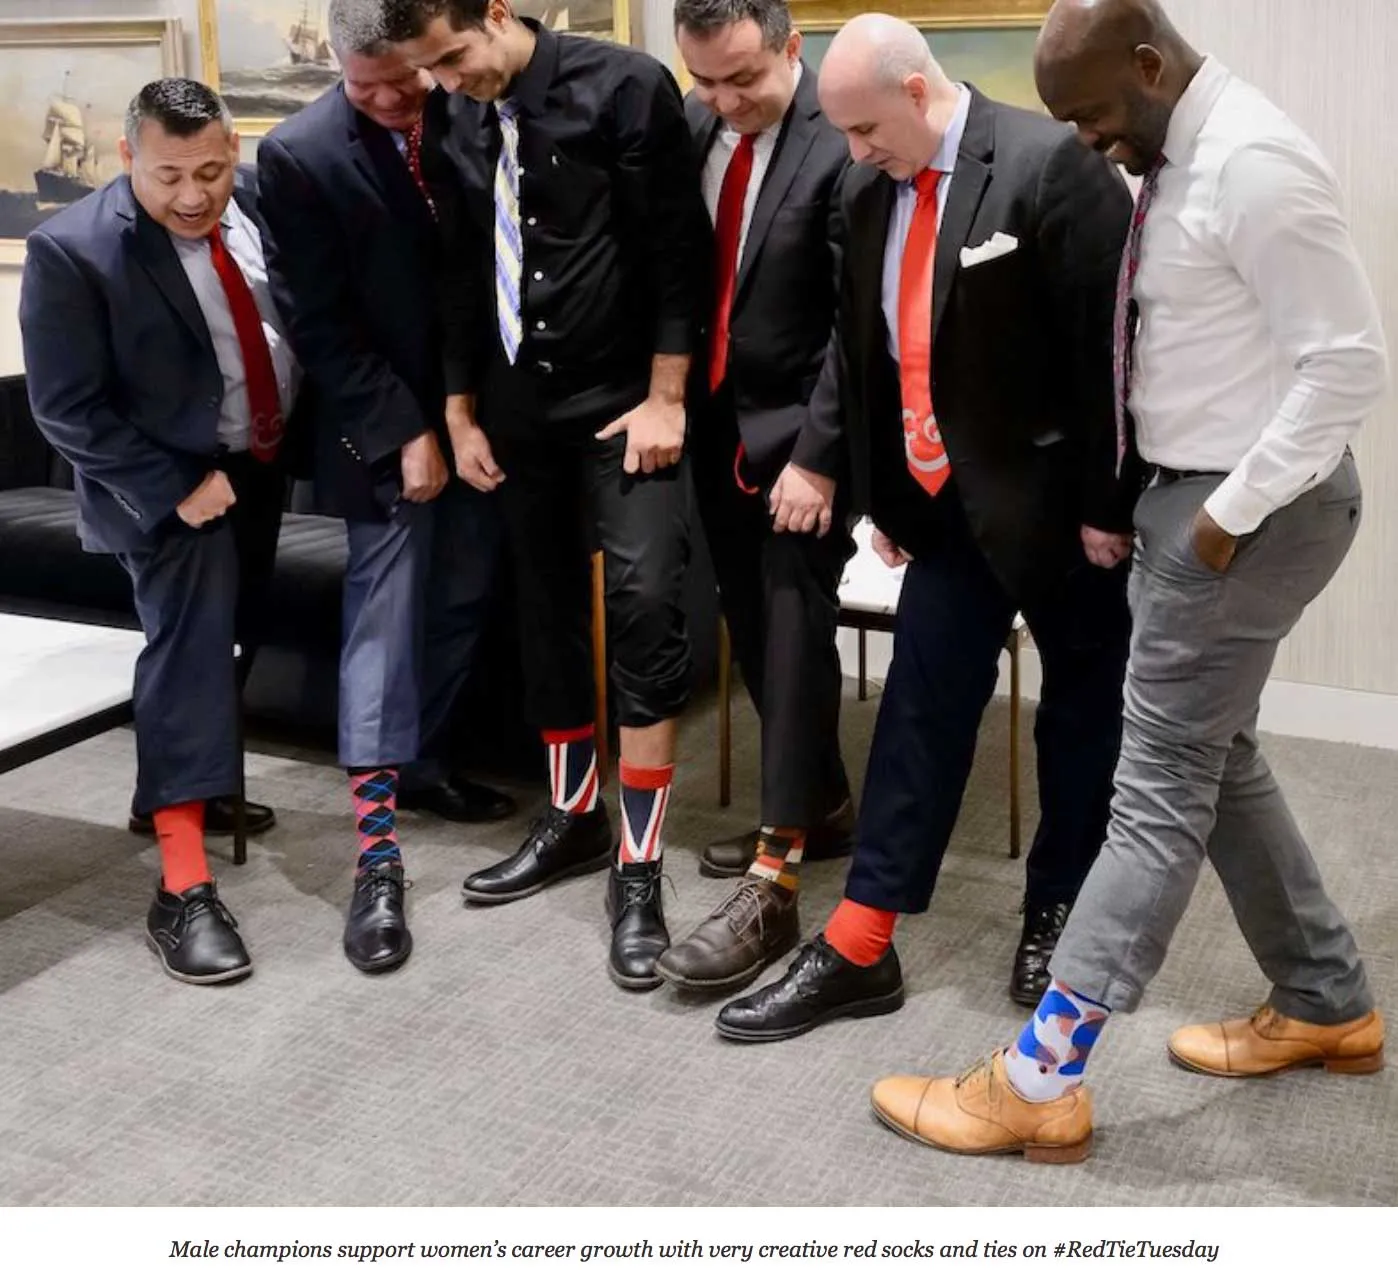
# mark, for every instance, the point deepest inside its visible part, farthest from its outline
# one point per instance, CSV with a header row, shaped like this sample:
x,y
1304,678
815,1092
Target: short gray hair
x,y
705,17
181,107
357,26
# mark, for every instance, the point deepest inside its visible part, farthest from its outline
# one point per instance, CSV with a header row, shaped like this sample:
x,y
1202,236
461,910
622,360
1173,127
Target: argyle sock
x,y
778,857
573,784
180,832
859,933
1049,1057
645,794
375,794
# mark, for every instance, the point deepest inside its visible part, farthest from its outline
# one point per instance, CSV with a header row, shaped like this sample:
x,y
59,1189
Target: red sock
x,y
183,863
859,933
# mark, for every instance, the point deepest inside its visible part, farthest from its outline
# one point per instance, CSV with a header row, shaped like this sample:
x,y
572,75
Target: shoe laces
x,y
378,882
637,891
982,1064
208,904
551,826
743,904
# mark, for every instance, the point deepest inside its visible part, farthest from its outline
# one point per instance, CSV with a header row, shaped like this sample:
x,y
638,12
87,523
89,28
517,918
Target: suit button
x,y
545,368
533,220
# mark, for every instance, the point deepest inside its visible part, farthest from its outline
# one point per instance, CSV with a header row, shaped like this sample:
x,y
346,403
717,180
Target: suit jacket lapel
x,y
157,256
968,184
379,160
872,238
793,143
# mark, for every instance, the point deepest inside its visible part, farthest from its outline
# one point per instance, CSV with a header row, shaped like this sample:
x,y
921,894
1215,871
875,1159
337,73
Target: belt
x,y
1166,475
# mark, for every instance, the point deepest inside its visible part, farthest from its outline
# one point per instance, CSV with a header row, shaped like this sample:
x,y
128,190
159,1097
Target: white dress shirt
x,y
1259,350
244,244
905,204
721,154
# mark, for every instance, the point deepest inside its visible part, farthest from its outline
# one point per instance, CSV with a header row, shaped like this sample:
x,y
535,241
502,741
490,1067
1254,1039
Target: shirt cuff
x,y
1236,508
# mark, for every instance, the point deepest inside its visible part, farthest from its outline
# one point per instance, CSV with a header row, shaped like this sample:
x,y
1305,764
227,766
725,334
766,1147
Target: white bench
x,y
869,594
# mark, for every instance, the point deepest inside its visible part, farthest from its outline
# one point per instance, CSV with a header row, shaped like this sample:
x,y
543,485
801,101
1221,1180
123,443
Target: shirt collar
x,y
529,88
945,158
1194,107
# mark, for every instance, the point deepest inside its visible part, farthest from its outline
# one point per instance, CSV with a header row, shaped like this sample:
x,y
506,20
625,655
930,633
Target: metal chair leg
x,y
240,801
725,715
1015,644
599,667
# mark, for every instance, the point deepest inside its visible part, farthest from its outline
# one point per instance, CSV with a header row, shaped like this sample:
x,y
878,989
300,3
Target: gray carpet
x,y
502,1067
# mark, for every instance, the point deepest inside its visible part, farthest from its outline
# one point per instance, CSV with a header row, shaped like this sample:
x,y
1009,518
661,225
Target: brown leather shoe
x,y
755,925
832,839
979,1113
1270,1042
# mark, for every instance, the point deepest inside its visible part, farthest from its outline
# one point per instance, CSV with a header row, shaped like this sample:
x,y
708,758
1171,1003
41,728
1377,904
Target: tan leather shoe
x,y
979,1113
1270,1042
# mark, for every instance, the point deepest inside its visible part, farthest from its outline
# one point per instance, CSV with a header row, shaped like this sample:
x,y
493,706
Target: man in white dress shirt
x,y
157,365
1249,351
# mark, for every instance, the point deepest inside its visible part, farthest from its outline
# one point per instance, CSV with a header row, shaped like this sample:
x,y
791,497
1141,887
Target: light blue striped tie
x,y
509,247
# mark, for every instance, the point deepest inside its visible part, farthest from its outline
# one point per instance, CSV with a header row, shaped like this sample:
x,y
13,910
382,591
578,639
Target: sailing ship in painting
x,y
305,44
70,158
282,86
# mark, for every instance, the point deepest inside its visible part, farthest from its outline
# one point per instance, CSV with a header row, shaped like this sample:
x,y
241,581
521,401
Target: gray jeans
x,y
1191,780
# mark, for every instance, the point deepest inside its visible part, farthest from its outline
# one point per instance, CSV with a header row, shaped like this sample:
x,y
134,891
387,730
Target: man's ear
x,y
124,153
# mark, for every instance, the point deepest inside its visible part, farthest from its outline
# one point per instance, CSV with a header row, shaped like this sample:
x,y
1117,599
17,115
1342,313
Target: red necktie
x,y
264,403
412,147
927,457
728,233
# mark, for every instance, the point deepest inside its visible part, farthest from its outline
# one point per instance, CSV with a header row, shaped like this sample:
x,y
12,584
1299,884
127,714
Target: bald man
x,y
976,387
1249,351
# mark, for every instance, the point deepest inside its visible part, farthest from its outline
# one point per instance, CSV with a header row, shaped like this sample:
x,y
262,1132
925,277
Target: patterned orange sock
x,y
778,857
180,831
859,933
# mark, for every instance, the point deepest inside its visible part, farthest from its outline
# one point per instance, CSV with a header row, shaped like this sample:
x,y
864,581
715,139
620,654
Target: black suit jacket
x,y
353,254
784,302
121,371
1022,348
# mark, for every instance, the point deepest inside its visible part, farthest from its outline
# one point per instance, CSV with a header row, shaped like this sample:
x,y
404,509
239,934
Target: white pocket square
x,y
993,248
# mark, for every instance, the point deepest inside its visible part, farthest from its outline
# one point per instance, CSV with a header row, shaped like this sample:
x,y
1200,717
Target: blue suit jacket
x,y
122,376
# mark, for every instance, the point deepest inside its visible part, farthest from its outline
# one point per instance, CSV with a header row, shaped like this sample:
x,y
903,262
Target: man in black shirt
x,y
572,297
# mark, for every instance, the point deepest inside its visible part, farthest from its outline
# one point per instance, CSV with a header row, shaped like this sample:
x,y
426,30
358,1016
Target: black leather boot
x,y
832,839
1042,927
376,932
637,916
561,844
196,937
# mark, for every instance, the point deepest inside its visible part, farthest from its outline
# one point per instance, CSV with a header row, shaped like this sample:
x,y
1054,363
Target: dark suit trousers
x,y
780,599
564,495
953,618
197,593
417,592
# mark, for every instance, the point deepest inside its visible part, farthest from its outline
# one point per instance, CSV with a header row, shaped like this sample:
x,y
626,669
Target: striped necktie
x,y
509,247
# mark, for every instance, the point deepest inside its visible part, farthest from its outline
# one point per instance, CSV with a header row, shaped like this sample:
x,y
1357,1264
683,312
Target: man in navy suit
x,y
351,192
158,366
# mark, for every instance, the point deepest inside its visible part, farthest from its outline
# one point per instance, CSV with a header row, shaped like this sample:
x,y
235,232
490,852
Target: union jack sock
x,y
573,784
645,794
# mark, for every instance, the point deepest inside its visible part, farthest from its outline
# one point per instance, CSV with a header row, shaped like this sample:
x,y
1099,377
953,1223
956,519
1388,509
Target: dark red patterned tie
x,y
412,147
264,402
1124,326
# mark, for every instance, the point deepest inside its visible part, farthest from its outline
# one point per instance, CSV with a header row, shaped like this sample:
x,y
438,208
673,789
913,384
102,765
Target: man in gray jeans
x,y
1249,350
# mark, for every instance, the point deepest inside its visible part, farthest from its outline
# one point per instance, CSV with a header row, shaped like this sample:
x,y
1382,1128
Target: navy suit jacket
x,y
353,254
121,371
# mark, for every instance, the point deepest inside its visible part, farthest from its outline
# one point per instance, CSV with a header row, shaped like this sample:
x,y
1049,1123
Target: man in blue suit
x,y
158,366
351,188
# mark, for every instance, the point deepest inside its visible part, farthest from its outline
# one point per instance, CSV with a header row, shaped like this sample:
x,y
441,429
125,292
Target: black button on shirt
x,y
611,219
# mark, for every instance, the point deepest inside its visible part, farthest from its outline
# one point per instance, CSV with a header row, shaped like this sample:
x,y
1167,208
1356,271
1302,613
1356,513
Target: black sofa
x,y
292,689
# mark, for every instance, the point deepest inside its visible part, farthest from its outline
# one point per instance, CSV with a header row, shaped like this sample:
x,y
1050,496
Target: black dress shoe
x,y
218,819
755,924
196,937
832,839
376,932
458,799
561,844
638,925
1042,927
818,986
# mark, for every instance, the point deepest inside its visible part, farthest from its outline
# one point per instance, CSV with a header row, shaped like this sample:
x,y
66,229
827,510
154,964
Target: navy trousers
x,y
199,592
954,616
416,597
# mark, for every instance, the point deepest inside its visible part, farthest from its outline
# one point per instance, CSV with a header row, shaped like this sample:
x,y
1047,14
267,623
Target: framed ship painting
x,y
606,19
64,89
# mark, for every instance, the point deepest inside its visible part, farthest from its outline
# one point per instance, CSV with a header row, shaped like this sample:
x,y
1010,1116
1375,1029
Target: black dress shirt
x,y
612,222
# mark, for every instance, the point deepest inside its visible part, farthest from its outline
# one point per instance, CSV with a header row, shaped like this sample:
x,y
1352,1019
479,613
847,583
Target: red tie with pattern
x,y
264,403
927,457
728,233
412,151
1124,324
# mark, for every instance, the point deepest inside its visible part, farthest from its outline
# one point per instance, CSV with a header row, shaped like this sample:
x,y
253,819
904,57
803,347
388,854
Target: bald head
x,y
1116,69
881,86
